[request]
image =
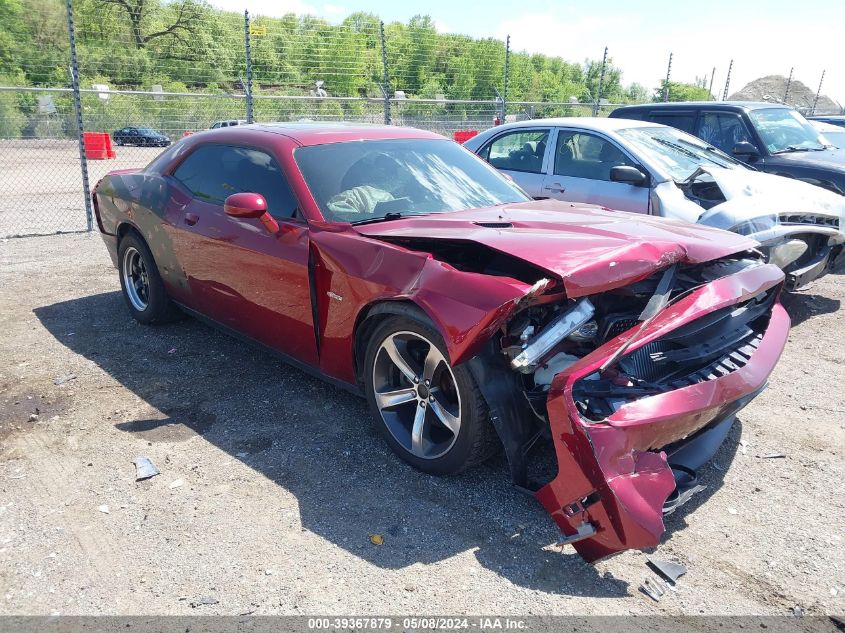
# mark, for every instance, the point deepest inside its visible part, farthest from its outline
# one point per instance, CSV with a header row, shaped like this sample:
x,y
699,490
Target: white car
x,y
227,123
645,167
833,134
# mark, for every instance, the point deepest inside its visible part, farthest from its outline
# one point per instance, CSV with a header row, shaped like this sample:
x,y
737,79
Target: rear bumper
x,y
614,476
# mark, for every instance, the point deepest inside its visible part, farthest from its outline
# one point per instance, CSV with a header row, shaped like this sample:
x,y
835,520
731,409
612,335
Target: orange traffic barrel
x,y
95,145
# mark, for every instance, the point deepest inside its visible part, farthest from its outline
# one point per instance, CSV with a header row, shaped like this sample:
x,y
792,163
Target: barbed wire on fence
x,y
178,67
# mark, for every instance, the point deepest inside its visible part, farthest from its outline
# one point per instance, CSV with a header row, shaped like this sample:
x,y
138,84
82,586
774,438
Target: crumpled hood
x,y
752,195
590,249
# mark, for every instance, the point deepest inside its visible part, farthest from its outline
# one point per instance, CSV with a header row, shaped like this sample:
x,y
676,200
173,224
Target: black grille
x,y
614,326
707,348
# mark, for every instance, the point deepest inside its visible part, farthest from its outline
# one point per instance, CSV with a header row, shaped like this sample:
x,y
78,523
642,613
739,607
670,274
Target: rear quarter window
x,y
214,172
684,121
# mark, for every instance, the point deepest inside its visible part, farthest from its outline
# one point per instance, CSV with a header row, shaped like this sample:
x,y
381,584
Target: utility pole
x,y
712,77
505,87
385,86
728,82
818,92
788,83
250,118
668,74
77,107
597,105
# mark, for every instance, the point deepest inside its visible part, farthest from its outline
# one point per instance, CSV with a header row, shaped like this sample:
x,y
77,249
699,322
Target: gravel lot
x,y
285,479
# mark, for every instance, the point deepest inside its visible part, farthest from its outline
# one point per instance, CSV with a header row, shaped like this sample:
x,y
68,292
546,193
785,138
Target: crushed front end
x,y
799,226
637,387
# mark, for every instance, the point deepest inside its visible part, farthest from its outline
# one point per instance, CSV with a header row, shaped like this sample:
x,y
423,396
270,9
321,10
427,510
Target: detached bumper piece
x,y
627,457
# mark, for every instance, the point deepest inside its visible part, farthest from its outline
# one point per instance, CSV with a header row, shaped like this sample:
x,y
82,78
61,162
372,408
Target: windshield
x,y
678,153
369,180
833,137
784,130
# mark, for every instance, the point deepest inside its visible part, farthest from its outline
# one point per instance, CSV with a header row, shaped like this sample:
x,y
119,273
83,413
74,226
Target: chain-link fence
x,y
104,66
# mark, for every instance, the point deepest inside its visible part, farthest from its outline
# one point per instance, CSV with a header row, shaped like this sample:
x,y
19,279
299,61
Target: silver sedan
x,y
644,167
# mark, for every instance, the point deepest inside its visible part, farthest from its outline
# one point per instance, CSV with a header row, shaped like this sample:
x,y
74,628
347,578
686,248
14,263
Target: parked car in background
x,y
227,123
393,262
772,138
647,168
832,119
833,134
143,136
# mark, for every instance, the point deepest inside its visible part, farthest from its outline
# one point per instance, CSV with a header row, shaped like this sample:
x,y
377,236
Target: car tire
x,y
141,284
455,431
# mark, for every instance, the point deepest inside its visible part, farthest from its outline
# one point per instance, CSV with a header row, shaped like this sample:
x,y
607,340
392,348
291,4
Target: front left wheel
x,y
431,414
141,283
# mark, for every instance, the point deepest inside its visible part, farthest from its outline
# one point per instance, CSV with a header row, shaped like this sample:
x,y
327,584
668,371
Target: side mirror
x,y
628,174
744,149
245,205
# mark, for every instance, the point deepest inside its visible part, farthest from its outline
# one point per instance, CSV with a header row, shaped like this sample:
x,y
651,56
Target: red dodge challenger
x,y
473,319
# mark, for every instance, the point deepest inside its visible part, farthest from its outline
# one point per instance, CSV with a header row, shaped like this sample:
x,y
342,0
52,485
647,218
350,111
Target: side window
x,y
214,172
722,130
582,155
680,120
521,150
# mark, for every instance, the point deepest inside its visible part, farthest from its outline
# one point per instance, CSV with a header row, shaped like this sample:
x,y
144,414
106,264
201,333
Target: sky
x,y
763,38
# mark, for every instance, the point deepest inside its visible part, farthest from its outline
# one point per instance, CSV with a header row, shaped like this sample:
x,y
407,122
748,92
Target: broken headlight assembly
x,y
537,347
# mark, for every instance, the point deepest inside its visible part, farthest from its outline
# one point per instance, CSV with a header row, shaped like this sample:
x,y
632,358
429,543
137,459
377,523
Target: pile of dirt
x,y
773,88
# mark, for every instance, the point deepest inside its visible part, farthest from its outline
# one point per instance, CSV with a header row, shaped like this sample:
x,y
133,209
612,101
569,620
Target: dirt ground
x,y
285,479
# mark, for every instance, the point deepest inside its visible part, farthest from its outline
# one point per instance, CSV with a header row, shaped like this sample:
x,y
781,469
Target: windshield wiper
x,y
794,148
387,217
677,147
709,148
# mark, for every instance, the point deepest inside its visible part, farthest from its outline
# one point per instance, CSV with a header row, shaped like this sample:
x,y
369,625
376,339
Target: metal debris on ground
x,y
144,468
652,589
176,483
63,379
104,509
666,568
774,456
204,600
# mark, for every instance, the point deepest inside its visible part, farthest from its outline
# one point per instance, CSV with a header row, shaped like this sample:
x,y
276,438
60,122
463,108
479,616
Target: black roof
x,y
727,105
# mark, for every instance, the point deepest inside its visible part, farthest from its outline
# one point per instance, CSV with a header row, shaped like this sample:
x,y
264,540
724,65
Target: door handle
x,y
555,187
191,219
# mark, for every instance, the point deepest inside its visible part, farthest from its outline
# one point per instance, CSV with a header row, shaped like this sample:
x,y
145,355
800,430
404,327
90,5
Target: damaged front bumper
x,y
822,252
614,475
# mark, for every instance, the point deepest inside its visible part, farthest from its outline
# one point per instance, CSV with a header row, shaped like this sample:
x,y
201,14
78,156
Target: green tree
x,y
682,91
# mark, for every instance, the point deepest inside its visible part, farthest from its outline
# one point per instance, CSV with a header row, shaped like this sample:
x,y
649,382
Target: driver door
x,y
239,274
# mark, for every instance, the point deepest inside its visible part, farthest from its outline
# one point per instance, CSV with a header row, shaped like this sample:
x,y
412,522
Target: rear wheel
x,y
431,414
141,283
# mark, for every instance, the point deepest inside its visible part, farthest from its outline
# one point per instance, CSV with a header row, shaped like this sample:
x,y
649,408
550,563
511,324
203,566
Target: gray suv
x,y
770,137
